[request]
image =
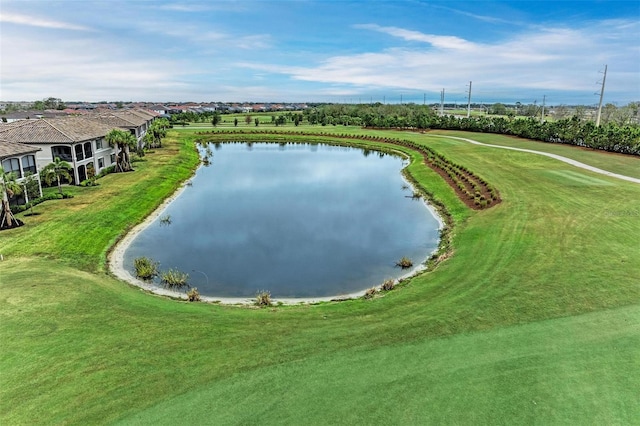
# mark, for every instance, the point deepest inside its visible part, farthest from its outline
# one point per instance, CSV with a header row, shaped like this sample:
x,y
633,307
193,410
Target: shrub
x,y
263,298
89,182
193,295
174,279
106,171
388,285
404,263
146,268
36,201
370,293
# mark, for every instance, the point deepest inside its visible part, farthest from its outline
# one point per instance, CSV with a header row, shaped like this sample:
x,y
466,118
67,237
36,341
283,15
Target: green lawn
x,y
535,318
623,164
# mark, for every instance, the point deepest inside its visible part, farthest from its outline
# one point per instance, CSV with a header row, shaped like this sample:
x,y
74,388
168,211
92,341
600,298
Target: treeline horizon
x,y
611,137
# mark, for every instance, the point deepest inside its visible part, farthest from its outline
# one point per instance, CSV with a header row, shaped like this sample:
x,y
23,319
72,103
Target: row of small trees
x,y
572,131
611,137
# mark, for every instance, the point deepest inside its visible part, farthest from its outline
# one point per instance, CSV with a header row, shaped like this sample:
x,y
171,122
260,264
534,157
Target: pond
x,y
297,220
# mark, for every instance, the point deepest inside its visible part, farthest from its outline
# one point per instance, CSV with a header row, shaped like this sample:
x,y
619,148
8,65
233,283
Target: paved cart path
x,y
555,156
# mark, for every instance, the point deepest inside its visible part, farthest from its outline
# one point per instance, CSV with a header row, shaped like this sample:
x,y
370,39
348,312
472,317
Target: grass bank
x,y
535,318
78,231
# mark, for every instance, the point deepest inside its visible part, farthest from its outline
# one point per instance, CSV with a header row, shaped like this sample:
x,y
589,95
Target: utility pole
x,y
442,103
400,98
544,98
424,99
469,102
601,96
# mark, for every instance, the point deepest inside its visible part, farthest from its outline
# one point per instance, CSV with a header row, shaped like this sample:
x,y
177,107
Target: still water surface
x,y
298,220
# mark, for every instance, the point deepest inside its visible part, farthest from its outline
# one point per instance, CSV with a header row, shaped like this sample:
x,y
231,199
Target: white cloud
x,y
211,38
543,58
34,21
442,42
484,18
82,69
199,6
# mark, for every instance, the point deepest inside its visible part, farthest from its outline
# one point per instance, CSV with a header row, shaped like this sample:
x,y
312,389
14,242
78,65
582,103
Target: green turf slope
x,y
534,319
564,371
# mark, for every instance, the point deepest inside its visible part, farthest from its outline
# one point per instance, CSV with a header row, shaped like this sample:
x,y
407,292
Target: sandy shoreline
x,y
115,264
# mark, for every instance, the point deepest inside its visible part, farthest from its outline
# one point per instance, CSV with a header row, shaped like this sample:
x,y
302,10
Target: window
x,y
29,164
98,144
12,165
100,162
113,158
82,173
79,153
87,150
62,152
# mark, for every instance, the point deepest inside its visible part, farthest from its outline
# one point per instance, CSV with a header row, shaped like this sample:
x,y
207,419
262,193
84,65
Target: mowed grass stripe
x,y
81,347
557,371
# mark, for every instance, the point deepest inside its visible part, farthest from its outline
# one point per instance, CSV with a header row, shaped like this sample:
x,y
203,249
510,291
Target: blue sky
x,y
320,51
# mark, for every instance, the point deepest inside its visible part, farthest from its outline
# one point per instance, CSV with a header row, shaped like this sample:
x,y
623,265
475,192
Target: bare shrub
x,y
388,285
193,295
263,298
370,293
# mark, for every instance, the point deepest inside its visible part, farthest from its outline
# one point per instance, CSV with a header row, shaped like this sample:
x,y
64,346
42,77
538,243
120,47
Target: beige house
x,y
19,159
137,121
76,140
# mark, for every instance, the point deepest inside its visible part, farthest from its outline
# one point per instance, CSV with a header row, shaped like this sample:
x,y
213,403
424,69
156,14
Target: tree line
x,y
612,137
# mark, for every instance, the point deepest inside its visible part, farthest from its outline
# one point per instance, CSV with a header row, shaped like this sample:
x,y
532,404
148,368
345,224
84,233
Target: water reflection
x,y
297,220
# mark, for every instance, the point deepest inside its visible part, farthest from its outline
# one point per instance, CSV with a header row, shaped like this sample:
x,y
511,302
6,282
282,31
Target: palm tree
x,y
57,171
31,189
123,141
9,187
157,130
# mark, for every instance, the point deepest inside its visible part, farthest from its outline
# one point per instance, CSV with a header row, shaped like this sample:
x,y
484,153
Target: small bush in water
x,y
174,279
404,263
146,268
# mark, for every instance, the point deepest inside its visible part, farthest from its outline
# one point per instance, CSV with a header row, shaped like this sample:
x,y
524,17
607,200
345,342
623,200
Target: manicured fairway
x,y
535,317
568,370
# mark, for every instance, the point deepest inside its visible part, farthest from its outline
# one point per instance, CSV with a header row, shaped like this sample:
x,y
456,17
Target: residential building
x,y
160,109
21,160
76,140
137,121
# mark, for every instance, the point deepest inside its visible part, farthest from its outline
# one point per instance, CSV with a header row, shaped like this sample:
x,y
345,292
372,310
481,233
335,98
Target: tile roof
x,y
53,130
13,149
144,113
124,118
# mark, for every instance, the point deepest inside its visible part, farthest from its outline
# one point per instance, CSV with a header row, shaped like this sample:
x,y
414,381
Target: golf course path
x,y
557,157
